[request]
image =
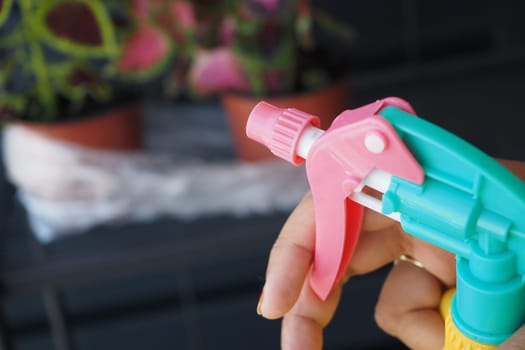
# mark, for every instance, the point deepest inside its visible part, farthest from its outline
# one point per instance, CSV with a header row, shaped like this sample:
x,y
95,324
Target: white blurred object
x,y
68,189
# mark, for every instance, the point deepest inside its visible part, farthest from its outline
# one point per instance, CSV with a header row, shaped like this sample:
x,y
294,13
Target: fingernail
x,y
259,304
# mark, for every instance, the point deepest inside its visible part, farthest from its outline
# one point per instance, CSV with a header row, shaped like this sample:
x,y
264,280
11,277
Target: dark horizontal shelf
x,y
156,246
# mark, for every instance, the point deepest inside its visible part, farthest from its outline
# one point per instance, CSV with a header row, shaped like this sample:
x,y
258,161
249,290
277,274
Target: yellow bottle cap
x,y
454,339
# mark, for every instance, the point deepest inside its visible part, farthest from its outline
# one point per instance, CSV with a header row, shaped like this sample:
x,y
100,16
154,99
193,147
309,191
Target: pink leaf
x,y
227,31
273,80
183,12
144,48
217,70
268,5
140,8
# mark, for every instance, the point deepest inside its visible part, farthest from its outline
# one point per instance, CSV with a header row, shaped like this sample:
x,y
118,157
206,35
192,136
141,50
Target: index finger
x,y
290,259
292,255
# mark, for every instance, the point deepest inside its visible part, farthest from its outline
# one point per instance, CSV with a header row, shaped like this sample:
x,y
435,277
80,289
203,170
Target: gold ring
x,y
409,259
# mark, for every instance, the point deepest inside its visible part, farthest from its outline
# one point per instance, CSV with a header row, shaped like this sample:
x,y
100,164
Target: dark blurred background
x,y
171,284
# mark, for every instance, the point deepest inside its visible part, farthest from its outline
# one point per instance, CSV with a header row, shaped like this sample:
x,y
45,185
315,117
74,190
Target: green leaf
x,y
82,81
5,7
79,28
14,102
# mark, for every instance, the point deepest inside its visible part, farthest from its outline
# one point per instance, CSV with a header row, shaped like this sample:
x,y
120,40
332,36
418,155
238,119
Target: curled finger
x,y
303,325
408,306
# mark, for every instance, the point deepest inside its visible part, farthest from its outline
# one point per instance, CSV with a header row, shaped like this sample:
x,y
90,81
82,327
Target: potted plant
x,y
52,71
75,69
267,49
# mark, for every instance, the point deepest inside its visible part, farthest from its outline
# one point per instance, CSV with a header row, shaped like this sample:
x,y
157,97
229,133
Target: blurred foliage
x,y
62,58
54,54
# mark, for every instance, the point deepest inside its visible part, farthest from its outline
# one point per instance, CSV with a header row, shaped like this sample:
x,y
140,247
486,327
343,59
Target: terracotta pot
x,y
326,103
118,128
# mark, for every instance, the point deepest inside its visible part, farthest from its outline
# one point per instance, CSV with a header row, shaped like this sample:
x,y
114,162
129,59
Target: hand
x,y
411,314
409,302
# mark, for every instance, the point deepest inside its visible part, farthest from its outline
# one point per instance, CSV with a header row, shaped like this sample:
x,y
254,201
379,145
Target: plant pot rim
x,y
91,109
336,84
83,116
113,128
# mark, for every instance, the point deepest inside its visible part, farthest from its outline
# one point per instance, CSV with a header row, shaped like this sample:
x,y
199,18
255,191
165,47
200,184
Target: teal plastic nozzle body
x,y
472,206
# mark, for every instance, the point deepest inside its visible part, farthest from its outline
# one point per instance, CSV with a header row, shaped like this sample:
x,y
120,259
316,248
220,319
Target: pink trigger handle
x,y
337,163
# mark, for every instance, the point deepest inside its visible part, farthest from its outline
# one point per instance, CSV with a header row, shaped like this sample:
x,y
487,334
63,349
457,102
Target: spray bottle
x,y
439,187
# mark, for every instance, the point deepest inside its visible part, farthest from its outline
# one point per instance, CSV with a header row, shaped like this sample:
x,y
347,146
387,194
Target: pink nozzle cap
x,y
279,129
